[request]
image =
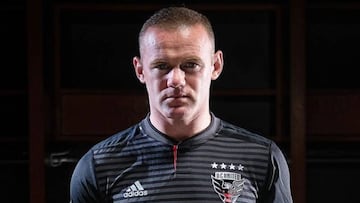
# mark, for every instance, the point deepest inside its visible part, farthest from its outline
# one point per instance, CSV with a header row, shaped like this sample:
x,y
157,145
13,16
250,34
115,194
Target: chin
x,y
176,113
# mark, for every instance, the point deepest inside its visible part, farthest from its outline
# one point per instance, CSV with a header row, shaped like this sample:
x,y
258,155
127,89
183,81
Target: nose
x,y
176,78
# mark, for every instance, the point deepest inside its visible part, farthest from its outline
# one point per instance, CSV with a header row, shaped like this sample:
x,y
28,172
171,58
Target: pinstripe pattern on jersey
x,y
143,154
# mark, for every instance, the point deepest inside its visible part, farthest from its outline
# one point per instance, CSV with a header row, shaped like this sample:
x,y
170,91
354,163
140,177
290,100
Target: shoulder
x,y
87,182
242,135
250,139
109,145
238,136
117,140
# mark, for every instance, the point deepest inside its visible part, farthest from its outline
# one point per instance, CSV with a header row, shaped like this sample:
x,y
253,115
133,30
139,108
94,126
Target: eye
x,y
189,66
162,66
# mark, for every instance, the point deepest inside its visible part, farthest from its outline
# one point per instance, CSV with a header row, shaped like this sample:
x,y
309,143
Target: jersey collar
x,y
208,133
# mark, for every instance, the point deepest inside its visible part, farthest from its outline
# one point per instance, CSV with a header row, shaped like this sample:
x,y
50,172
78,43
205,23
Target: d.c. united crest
x,y
228,185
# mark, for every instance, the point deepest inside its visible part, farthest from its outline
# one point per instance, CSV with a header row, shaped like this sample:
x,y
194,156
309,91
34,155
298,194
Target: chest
x,y
204,174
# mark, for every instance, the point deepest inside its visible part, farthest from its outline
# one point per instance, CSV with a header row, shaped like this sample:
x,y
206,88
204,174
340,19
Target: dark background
x,y
67,82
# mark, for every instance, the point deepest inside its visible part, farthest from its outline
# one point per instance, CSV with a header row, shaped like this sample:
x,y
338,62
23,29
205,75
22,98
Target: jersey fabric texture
x,y
224,163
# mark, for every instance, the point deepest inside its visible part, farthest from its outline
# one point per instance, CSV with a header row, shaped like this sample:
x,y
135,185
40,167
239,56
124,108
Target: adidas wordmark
x,y
135,190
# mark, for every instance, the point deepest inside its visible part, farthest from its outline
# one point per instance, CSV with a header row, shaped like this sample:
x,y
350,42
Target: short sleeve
x,y
278,187
83,185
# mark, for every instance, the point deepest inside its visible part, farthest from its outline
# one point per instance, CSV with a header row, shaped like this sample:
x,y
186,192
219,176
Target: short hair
x,y
175,17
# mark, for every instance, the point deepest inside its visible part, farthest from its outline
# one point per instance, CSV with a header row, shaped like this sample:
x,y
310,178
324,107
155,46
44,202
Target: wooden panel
x,y
13,48
333,43
100,115
297,99
247,39
333,114
13,117
252,113
35,67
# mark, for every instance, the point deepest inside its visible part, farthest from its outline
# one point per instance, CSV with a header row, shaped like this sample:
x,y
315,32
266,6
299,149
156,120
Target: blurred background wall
x,y
67,82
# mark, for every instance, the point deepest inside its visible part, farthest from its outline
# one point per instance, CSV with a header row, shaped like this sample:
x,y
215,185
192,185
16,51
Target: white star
x,y
232,167
214,165
223,166
240,167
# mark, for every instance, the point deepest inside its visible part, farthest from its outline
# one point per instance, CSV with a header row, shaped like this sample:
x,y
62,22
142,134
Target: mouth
x,y
176,100
173,98
176,97
174,94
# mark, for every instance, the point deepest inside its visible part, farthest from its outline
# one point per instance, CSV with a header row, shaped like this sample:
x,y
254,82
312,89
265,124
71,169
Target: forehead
x,y
176,38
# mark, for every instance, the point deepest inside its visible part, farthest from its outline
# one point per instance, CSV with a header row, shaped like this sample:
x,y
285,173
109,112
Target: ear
x,y
138,69
218,65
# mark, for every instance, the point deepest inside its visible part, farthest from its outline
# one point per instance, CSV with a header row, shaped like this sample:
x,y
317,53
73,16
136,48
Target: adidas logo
x,y
135,190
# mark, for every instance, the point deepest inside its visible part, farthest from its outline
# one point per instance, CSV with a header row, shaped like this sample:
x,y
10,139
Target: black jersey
x,y
224,163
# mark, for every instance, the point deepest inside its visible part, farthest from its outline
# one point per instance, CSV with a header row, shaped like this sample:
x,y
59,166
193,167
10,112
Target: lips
x,y
176,100
175,97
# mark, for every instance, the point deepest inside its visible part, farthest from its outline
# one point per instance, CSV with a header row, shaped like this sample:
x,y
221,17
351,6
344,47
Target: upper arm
x,y
83,185
278,187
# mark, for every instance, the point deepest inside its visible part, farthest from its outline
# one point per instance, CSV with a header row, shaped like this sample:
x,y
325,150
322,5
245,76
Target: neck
x,y
180,129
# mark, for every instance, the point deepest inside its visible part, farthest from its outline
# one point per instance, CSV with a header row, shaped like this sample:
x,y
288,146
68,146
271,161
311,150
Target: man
x,y
181,152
